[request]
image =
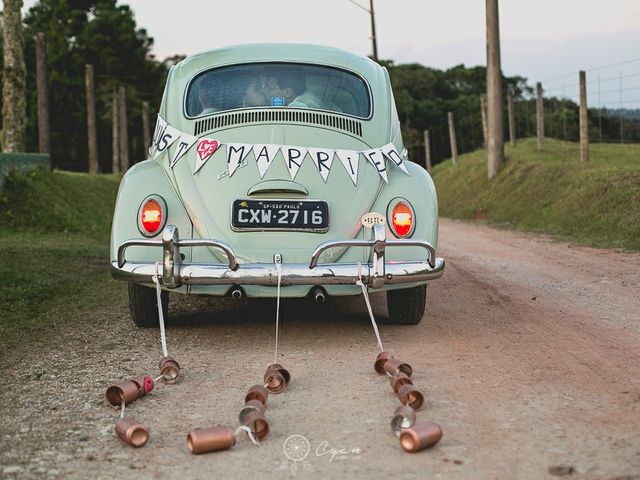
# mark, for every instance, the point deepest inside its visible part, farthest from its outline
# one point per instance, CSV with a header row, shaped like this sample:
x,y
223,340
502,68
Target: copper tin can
x,y
258,424
398,380
257,392
145,384
211,439
409,395
274,381
170,370
283,371
132,432
250,406
396,366
381,359
403,417
420,436
126,391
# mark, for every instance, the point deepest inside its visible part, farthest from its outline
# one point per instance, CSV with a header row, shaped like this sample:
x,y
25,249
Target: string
x,y
247,430
279,270
163,338
123,403
365,294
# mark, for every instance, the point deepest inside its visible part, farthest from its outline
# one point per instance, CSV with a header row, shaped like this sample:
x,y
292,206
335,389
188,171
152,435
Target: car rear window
x,y
278,85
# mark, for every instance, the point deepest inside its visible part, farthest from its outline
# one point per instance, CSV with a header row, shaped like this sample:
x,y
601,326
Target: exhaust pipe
x,y
318,294
237,293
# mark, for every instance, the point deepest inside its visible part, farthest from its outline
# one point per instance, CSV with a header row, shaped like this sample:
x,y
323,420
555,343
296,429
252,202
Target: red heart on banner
x,y
206,148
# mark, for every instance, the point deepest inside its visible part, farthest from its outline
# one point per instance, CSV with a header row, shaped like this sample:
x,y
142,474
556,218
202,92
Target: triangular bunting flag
x,y
152,147
322,159
184,144
376,158
205,149
392,154
349,159
236,153
264,156
293,158
165,138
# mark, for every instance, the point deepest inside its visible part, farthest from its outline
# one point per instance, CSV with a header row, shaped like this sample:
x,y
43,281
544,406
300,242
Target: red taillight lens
x,y
151,216
402,219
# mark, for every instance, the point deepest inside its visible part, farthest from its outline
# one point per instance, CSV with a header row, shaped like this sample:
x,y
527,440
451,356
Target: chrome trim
x,y
375,273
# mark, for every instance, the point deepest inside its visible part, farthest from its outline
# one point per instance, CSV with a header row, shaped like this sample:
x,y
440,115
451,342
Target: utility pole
x,y
584,120
512,118
122,119
495,137
14,73
374,41
539,117
452,139
92,138
44,143
427,151
146,134
483,113
115,132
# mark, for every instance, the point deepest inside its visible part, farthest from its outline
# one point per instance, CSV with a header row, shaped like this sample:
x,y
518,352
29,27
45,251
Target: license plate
x,y
280,215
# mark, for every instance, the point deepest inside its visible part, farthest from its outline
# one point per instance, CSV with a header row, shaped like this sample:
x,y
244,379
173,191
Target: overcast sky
x,y
541,39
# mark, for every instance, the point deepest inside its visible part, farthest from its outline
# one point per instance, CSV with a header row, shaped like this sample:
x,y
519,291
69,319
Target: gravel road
x,y
529,355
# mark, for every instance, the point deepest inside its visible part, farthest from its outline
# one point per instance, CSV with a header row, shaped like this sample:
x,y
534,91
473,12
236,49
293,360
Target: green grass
x,y
54,239
594,203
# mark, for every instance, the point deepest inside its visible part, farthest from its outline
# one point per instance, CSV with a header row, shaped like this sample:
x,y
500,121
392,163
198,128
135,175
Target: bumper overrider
x,y
376,273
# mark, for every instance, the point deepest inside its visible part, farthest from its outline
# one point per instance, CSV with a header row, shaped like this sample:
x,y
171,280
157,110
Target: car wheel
x,y
143,305
406,306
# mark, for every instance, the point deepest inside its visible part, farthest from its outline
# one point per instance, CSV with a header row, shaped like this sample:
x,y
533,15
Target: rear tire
x,y
406,306
143,305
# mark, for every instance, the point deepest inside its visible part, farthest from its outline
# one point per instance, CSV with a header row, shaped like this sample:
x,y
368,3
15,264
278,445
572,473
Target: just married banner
x,y
323,158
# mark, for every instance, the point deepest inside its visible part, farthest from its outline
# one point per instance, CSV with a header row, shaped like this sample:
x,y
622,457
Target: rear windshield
x,y
278,85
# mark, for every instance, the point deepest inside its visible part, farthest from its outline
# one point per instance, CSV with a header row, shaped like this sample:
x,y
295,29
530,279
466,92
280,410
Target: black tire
x,y
143,305
406,306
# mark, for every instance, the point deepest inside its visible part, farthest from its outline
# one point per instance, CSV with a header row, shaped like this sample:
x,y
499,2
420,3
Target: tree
x,y
13,79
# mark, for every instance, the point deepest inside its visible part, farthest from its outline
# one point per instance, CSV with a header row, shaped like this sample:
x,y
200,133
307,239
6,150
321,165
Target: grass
x,y
594,203
54,235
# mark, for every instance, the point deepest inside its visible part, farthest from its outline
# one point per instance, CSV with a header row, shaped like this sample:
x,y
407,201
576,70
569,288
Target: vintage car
x,y
277,163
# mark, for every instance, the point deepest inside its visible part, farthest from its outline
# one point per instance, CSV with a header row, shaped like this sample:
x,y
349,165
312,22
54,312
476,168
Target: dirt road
x,y
529,355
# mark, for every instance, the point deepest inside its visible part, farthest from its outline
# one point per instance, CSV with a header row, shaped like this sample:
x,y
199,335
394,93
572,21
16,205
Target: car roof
x,y
277,52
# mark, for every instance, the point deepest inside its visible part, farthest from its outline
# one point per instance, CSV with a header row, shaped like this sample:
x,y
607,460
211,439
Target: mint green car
x,y
277,164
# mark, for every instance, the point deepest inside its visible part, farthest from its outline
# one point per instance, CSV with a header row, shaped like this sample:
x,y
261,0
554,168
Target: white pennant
x,y
293,158
185,142
204,150
264,157
392,154
376,158
349,159
165,138
236,153
322,159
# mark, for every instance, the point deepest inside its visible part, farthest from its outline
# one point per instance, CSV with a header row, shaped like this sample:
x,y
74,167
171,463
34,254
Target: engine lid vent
x,y
337,122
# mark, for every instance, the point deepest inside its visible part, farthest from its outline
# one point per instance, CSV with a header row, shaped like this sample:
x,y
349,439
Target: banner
x,y
294,156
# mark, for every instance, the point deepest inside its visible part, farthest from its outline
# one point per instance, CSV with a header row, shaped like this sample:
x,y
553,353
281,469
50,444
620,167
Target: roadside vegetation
x,y
594,203
54,236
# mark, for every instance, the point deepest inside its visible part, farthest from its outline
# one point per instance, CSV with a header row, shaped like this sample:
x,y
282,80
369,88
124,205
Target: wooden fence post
x,y
495,100
539,117
427,150
115,132
122,119
44,142
452,139
483,112
584,120
146,134
92,137
512,118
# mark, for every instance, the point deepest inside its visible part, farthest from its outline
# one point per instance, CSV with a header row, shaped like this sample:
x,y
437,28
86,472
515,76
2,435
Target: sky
x,y
540,39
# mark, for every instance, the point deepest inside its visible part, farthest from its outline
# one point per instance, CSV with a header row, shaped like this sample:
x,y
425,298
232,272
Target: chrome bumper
x,y
376,273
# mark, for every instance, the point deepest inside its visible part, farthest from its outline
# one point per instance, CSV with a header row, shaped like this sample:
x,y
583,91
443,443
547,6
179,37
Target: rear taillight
x,y
402,218
152,215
